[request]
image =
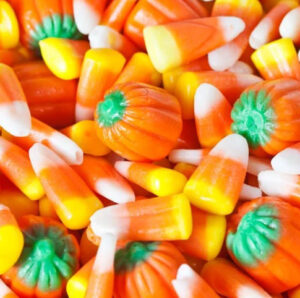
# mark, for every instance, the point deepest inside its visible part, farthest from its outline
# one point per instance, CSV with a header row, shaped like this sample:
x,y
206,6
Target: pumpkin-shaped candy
x,y
49,258
41,19
268,115
264,240
146,269
138,121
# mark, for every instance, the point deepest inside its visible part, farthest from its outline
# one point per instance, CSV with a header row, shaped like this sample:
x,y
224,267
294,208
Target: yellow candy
x,y
158,180
277,59
63,56
84,134
11,239
9,28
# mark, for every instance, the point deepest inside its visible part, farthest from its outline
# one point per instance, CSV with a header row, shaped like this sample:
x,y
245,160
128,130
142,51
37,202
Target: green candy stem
x,y
112,109
255,236
48,258
254,118
133,254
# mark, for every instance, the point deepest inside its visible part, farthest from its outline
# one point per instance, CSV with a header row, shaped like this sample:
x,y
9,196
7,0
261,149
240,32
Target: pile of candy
x,y
149,148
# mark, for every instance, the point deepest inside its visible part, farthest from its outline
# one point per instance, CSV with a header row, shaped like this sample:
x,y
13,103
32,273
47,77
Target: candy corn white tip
x,y
224,57
241,67
86,18
234,147
104,37
248,291
113,191
83,113
122,167
66,148
257,165
183,283
249,192
4,290
207,97
15,118
232,27
190,156
111,220
277,184
260,35
185,271
290,24
287,161
42,157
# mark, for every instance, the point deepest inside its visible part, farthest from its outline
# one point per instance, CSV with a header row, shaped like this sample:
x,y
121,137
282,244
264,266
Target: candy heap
x,y
149,148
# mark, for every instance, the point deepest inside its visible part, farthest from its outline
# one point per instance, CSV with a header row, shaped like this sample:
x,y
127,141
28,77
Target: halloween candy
x,y
169,45
43,19
5,291
63,56
73,201
163,218
99,71
44,134
49,260
267,29
157,180
9,32
266,114
277,59
11,239
209,187
100,175
87,14
212,115
83,133
15,165
188,284
232,282
138,121
263,239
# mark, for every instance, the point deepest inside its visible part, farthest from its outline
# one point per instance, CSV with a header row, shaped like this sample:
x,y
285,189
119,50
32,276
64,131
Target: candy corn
x,y
105,180
250,11
267,29
83,133
188,284
9,28
211,187
231,85
101,280
232,282
116,13
158,180
192,157
44,134
100,68
46,208
11,239
289,26
167,218
287,161
277,59
5,291
87,249
249,192
154,12
257,165
280,184
106,37
63,56
140,69
212,115
14,111
207,236
87,14
168,45
15,164
186,169
73,201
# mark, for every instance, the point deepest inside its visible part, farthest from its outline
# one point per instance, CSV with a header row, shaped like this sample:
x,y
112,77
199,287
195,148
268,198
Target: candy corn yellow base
x,y
162,48
11,245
